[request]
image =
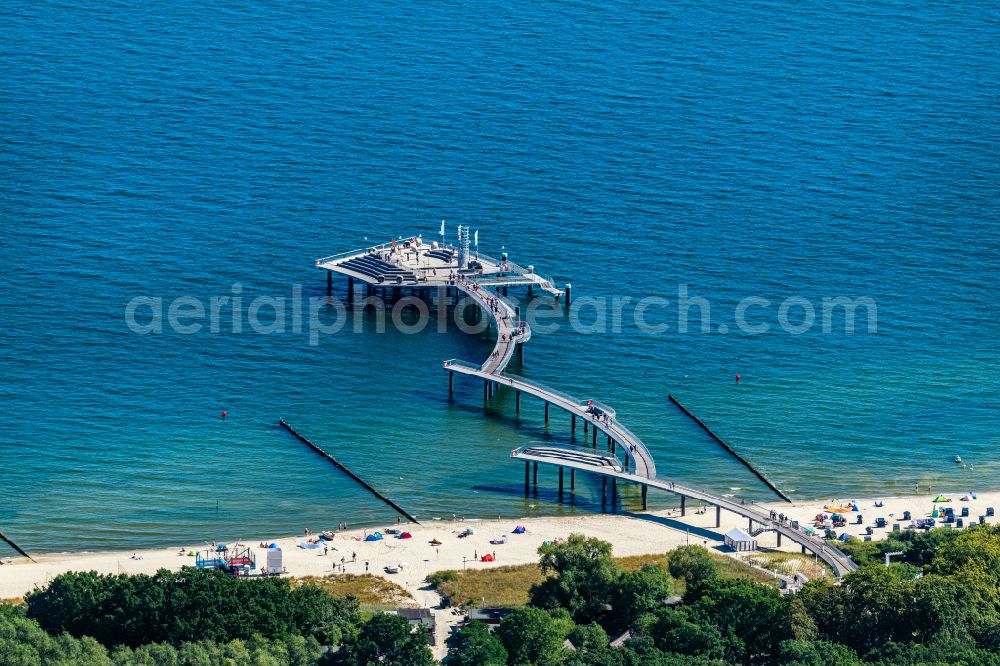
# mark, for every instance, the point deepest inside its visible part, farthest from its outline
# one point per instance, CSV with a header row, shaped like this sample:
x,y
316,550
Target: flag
x,y
442,228
476,235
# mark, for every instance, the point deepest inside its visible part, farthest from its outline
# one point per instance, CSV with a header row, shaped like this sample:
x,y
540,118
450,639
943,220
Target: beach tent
x,y
942,498
740,541
487,558
405,535
519,529
377,536
273,545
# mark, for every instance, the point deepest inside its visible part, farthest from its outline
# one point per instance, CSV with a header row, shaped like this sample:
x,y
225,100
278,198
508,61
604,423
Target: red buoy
x,y
223,413
737,379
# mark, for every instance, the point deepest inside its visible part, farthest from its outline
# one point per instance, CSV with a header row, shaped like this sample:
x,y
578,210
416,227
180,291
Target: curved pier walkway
x,y
585,461
638,466
416,266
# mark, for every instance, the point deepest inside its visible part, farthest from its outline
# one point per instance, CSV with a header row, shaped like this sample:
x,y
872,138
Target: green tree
x,y
974,551
386,639
815,653
24,643
476,646
692,564
673,631
188,606
956,607
755,615
588,638
877,602
582,575
941,652
534,636
638,593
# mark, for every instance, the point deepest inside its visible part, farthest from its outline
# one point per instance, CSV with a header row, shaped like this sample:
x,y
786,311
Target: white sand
x,y
629,534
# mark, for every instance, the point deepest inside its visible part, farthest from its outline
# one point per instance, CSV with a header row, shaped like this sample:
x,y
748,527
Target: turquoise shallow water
x,y
764,149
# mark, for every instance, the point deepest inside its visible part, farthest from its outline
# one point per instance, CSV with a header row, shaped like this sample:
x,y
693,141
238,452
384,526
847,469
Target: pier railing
x,y
353,253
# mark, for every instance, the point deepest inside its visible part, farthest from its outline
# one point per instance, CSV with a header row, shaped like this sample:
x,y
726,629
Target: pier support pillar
x,y
350,290
614,492
569,293
604,490
572,478
626,460
560,482
329,282
718,517
645,488
546,412
396,291
683,507
504,291
534,473
749,524
803,550
572,425
586,425
779,539
611,444
520,353
486,390
451,383
530,291
593,441
369,290
527,476
517,402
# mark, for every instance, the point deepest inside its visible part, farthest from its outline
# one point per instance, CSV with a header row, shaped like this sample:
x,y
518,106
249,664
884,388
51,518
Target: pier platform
x,y
411,262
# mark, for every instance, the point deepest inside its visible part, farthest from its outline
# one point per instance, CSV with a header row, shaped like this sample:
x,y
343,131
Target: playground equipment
x,y
235,561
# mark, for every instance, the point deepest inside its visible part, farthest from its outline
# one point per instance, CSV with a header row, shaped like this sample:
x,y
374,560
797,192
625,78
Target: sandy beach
x,y
629,533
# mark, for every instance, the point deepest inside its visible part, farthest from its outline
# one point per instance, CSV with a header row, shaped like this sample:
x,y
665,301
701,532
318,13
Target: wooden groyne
x,y
760,475
13,545
284,424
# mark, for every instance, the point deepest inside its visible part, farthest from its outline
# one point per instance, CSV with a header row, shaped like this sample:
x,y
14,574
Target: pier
x,y
484,281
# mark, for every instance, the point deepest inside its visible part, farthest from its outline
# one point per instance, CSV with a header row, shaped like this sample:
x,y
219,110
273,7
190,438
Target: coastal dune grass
x,y
791,563
372,592
507,587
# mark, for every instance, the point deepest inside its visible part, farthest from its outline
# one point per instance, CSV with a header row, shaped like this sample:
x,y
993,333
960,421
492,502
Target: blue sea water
x,y
770,148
